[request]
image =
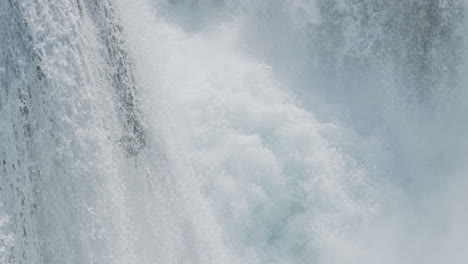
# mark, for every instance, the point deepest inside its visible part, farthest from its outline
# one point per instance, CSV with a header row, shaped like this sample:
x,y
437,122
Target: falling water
x,y
233,131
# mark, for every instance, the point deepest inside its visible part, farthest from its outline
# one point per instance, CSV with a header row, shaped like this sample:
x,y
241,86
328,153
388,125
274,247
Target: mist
x,y
233,131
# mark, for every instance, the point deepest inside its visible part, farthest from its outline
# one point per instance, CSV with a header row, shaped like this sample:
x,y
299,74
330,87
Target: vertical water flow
x,y
59,187
236,131
81,182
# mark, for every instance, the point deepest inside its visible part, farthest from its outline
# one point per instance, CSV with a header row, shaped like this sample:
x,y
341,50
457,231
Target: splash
x,y
233,131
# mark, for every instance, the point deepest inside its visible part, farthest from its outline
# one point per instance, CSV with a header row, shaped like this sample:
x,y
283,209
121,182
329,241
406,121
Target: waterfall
x,y
233,131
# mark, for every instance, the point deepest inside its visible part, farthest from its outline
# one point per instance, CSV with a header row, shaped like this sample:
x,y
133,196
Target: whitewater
x,y
233,131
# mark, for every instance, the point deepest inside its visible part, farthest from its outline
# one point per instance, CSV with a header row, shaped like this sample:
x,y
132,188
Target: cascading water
x,y
233,131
